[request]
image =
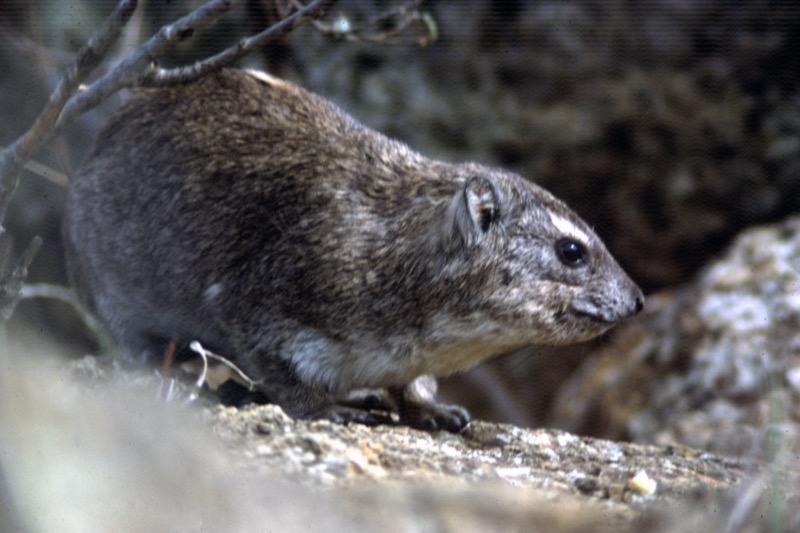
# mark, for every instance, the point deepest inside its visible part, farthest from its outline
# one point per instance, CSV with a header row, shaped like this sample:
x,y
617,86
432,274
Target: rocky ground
x,y
96,448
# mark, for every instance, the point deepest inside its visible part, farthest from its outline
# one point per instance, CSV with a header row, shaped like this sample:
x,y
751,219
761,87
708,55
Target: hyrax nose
x,y
638,299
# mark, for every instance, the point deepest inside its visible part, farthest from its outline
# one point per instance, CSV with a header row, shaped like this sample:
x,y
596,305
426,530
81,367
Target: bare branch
x,y
63,294
136,69
13,158
129,70
11,284
156,76
205,354
47,172
64,104
401,17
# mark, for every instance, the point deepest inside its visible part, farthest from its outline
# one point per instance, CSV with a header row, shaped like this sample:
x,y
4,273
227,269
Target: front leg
x,y
287,363
418,407
302,402
415,403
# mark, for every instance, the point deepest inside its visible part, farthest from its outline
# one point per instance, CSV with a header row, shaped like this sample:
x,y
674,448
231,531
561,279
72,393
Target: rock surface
x,y
102,452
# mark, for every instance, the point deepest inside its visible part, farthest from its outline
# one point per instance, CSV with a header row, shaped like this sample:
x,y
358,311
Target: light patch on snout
x,y
567,227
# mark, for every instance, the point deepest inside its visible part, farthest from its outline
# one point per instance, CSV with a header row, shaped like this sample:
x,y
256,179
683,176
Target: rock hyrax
x,y
259,219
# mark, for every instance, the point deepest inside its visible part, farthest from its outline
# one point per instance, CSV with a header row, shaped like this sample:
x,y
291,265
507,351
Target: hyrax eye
x,y
571,252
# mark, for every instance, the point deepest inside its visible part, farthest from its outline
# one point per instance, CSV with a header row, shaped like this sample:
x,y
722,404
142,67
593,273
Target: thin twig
x,y
403,16
10,286
169,358
47,172
62,294
197,347
157,76
13,158
204,356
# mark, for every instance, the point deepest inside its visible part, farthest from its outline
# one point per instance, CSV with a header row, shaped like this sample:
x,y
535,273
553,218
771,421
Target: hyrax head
x,y
546,276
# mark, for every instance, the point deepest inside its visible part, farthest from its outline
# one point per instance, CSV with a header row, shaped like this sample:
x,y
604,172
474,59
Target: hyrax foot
x,y
433,416
370,400
344,414
375,406
418,407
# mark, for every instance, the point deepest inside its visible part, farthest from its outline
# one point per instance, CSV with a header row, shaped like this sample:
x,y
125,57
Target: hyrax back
x,y
261,220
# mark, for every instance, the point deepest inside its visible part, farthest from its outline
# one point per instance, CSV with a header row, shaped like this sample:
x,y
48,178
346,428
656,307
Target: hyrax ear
x,y
482,202
476,209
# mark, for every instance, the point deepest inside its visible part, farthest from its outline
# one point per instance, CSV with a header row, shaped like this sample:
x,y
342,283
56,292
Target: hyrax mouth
x,y
593,317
